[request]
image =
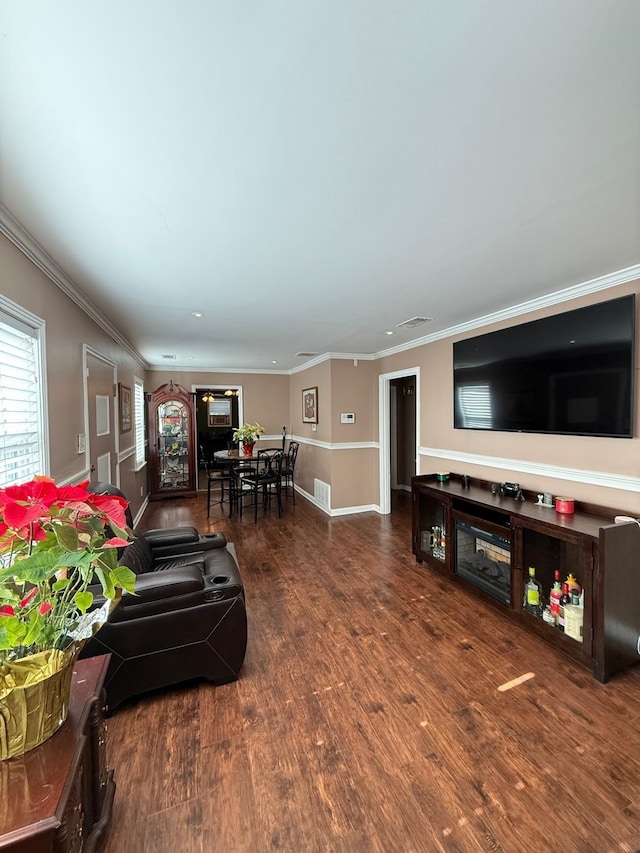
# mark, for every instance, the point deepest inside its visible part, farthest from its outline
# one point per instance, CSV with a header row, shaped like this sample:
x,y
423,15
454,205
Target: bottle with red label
x,y
555,596
566,599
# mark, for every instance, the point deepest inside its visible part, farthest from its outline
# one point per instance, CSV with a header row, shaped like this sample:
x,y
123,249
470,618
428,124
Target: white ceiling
x,y
311,173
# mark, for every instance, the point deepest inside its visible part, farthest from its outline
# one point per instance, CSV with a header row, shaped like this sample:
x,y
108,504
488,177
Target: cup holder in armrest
x,y
222,588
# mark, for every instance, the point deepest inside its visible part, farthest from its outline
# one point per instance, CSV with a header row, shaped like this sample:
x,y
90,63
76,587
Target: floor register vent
x,y
322,493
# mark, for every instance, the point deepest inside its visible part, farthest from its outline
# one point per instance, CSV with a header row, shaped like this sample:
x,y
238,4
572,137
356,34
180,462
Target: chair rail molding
x,y
541,469
125,454
335,445
73,479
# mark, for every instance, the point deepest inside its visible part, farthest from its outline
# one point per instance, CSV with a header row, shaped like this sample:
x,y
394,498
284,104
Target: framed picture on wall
x,y
310,405
124,407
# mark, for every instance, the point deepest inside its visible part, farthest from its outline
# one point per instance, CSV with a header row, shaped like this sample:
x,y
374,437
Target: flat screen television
x,y
570,374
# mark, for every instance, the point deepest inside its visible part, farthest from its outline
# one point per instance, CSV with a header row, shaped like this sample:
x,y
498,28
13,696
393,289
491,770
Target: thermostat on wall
x,y
347,418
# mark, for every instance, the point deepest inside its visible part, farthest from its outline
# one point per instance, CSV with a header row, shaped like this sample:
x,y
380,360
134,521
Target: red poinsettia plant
x,y
55,542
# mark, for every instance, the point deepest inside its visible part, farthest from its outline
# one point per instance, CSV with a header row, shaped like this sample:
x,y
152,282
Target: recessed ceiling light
x,y
197,314
274,361
388,333
192,358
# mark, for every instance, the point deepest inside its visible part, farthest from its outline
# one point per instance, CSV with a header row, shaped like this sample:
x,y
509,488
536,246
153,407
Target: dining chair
x,y
268,477
244,486
288,469
216,476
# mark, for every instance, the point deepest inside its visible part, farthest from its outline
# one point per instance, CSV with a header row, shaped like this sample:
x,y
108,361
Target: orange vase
x,y
247,448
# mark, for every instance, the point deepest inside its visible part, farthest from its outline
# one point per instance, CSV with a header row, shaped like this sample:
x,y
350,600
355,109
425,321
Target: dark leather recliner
x,y
187,619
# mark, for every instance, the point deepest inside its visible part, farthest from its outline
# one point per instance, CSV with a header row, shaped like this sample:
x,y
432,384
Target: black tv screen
x,y
570,374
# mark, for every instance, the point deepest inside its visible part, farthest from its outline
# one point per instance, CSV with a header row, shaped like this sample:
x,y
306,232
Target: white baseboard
x,y
343,510
140,513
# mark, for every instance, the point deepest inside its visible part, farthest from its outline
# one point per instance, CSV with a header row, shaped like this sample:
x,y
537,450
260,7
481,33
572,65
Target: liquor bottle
x,y
532,602
566,599
554,598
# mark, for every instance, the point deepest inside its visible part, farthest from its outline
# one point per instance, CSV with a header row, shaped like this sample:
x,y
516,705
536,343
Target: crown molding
x,y
159,368
327,356
594,285
22,240
19,236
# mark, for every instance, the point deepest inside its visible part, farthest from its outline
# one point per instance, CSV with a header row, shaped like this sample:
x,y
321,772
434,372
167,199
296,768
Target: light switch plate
x,y
82,442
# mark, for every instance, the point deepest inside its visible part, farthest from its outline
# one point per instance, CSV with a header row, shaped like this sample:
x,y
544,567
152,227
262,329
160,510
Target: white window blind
x,y
475,405
138,414
21,411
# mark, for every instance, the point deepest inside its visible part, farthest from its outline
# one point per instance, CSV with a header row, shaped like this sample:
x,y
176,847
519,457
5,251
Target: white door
x,y
101,418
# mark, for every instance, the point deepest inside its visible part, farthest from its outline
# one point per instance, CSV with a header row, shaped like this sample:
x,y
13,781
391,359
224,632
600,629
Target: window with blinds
x,y
475,405
138,413
22,432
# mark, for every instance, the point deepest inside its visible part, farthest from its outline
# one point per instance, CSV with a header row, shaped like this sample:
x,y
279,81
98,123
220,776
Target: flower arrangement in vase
x,y
55,543
248,435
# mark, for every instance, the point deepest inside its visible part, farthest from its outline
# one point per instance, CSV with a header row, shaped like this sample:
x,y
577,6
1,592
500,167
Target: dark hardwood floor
x,y
368,714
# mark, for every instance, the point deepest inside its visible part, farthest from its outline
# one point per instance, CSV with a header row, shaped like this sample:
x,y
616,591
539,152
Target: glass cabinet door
x,y
173,445
431,532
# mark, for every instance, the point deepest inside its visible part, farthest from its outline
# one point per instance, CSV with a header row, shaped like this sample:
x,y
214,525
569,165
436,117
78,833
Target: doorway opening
x,y
218,414
399,432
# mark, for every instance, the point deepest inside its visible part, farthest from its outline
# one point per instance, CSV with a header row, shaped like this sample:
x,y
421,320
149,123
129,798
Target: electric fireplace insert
x,y
484,559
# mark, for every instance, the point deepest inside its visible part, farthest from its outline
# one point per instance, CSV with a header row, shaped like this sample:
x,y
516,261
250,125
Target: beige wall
x,y
276,400
67,329
600,455
265,396
314,460
352,474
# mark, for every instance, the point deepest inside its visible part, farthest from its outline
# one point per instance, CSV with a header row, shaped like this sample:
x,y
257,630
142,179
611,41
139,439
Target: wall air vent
x,y
413,322
169,356
306,354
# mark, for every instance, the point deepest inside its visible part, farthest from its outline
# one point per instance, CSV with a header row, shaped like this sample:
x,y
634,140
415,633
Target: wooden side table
x,y
58,797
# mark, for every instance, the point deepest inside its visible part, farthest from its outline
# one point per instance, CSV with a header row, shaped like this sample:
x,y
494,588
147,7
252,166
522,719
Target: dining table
x,y
228,459
232,457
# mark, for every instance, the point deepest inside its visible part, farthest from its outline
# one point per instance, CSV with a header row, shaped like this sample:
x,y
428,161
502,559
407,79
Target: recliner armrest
x,y
179,541
154,586
171,535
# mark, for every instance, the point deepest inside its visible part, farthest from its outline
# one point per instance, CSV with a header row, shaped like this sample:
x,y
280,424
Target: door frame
x,y
88,350
384,431
197,387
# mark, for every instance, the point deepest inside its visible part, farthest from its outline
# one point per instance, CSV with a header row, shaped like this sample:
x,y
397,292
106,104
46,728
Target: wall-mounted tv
x,y
570,374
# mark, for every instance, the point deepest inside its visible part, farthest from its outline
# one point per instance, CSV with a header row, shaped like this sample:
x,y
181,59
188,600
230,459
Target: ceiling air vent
x,y
169,356
306,354
413,322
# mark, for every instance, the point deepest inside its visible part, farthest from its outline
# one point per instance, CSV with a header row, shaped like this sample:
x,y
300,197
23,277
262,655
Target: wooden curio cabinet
x,y
172,457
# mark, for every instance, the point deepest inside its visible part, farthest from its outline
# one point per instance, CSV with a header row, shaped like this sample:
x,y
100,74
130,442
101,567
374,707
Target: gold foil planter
x,y
34,699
